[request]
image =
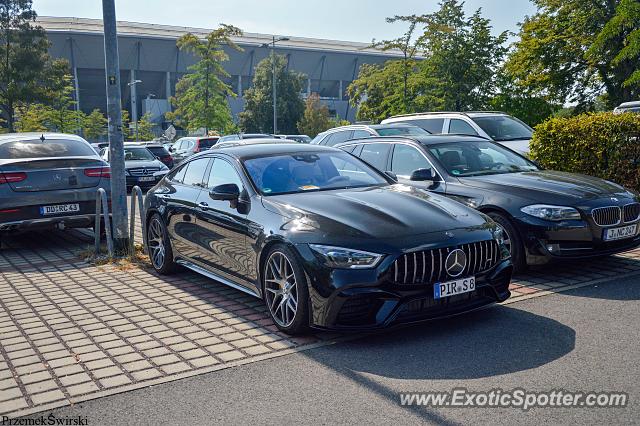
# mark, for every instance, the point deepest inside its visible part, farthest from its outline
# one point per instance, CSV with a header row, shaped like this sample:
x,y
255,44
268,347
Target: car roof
x,y
244,150
10,137
423,140
436,113
368,126
629,104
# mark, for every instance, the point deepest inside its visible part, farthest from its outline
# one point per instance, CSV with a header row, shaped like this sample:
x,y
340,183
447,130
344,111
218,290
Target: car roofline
x,y
373,139
465,113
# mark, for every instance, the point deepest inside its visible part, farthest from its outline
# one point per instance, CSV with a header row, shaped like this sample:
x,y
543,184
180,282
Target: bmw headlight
x,y
344,258
554,213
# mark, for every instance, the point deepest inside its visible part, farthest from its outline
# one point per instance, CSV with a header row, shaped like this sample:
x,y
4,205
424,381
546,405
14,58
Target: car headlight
x,y
344,258
498,235
554,213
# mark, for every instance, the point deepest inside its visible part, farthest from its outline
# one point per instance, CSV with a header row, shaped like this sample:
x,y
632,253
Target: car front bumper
x,y
545,241
366,299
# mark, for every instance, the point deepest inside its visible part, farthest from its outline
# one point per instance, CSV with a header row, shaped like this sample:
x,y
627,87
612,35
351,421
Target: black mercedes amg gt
x,y
326,240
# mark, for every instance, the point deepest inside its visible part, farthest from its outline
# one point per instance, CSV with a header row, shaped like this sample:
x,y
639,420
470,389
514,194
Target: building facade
x,y
151,64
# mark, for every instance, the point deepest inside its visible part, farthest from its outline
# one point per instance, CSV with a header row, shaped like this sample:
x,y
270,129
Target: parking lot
x,y
72,331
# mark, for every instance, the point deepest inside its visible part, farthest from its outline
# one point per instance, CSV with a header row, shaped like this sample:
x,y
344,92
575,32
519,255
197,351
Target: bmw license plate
x,y
146,179
451,288
59,209
620,233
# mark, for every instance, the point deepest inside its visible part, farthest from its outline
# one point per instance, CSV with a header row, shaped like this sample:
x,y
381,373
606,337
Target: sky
x,y
349,20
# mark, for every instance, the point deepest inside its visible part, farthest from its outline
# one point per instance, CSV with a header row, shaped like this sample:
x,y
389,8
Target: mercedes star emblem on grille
x,y
456,263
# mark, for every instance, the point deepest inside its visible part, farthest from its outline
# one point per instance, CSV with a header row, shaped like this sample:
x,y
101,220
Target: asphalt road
x,y
583,340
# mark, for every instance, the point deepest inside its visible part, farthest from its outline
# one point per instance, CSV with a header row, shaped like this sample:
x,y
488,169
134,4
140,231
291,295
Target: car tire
x,y
513,241
285,290
159,246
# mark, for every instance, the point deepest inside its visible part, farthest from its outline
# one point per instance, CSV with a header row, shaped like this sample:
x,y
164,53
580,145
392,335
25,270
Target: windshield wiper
x,y
517,138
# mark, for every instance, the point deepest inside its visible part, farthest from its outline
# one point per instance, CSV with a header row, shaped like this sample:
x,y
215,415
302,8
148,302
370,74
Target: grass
x,y
131,261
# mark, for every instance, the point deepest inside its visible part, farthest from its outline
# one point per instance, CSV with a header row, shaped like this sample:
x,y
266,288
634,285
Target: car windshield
x,y
403,131
159,151
310,171
503,127
479,158
137,154
36,148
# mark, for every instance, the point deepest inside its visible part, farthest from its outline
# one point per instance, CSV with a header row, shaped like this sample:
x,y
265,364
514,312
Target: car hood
x,y
550,187
390,212
134,164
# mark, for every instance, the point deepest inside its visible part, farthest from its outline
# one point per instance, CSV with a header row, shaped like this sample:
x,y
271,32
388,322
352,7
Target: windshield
x,y
403,131
137,154
306,172
503,127
35,148
479,158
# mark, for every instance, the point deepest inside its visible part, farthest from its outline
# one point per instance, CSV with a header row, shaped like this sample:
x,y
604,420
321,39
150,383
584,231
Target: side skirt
x,y
213,276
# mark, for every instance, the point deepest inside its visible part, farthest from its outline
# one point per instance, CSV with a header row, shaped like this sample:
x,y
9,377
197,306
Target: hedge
x,y
606,145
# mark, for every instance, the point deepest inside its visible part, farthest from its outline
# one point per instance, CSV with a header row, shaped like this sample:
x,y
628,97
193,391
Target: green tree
x,y
31,118
201,95
577,50
126,125
451,64
58,90
258,111
316,118
23,57
145,128
95,125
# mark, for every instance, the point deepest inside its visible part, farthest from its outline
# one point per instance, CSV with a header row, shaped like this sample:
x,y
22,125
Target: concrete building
x,y
148,53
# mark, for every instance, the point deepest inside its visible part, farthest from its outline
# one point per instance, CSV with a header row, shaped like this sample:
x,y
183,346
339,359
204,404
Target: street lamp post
x,y
273,84
131,84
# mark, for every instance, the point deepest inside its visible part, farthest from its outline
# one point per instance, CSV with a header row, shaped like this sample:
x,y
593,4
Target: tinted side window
x,y
177,176
376,154
431,125
195,172
207,143
461,127
406,159
337,137
222,172
357,134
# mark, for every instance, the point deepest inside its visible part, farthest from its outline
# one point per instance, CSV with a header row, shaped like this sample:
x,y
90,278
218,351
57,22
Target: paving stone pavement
x,y
72,331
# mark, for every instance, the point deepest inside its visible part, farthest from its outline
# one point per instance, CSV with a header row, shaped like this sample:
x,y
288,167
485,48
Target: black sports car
x,y
544,214
324,239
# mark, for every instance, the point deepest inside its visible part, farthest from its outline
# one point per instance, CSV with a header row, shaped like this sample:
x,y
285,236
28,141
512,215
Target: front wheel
x,y
512,241
159,246
285,291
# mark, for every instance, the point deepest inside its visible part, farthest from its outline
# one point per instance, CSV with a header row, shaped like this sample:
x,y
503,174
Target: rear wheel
x,y
159,246
512,241
285,291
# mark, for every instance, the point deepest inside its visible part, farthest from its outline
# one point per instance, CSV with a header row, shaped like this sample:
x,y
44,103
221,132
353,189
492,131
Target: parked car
x,y
544,214
49,180
160,152
240,136
341,134
326,240
628,107
142,168
298,138
184,148
97,146
272,140
493,125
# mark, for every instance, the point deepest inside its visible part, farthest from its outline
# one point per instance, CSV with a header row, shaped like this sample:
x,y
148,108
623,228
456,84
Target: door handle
x,y
203,205
164,196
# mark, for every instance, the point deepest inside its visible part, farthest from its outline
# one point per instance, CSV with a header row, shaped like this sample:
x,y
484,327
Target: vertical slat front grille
x,y
426,267
606,216
631,212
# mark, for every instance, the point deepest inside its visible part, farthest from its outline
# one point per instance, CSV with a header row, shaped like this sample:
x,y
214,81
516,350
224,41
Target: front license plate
x,y
61,208
146,179
620,233
450,288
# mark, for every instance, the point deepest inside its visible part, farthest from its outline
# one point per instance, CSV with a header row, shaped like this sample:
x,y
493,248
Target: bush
x,y
601,144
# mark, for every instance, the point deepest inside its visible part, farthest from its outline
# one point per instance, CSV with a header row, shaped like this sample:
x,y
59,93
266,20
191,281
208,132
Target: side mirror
x,y
225,192
391,175
423,174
